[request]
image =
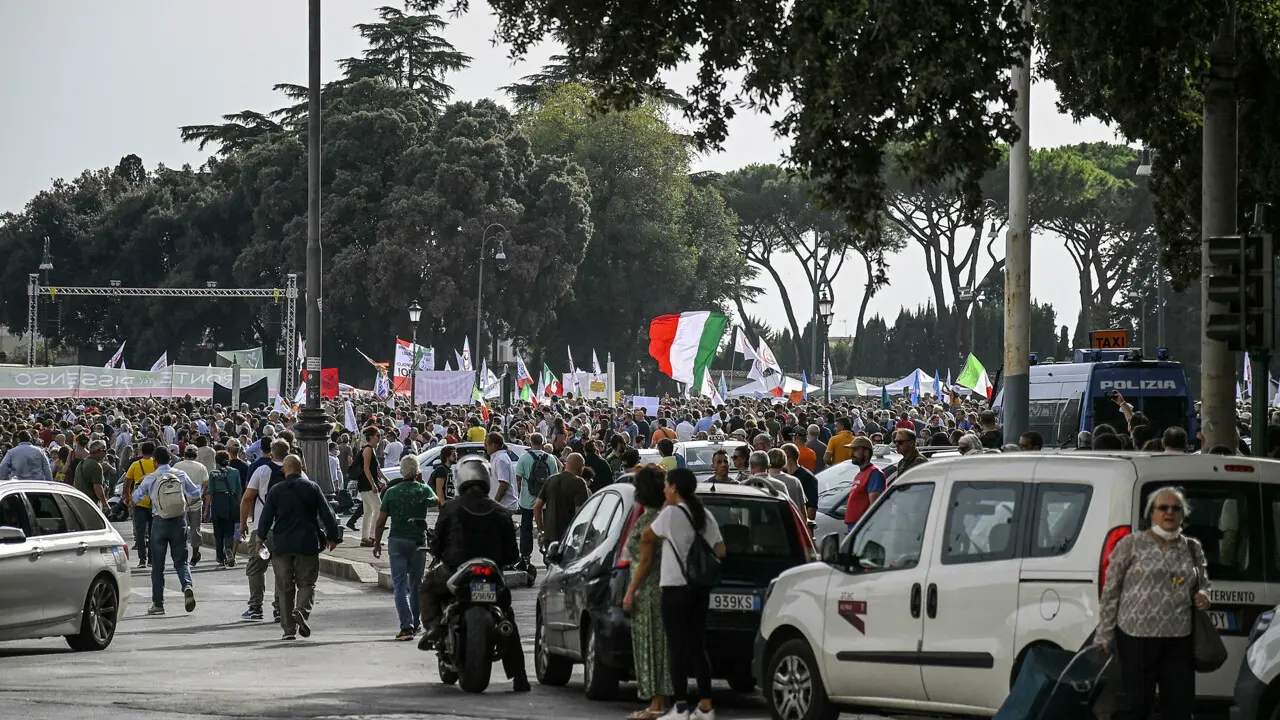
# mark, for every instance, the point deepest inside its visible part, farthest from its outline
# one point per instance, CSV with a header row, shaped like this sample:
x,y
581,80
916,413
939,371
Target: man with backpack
x,y
267,476
169,491
532,472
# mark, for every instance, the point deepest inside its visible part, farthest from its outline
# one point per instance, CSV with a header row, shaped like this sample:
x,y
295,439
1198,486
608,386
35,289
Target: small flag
x,y
302,353
1248,375
349,419
523,378
937,386
161,362
884,398
915,389
279,406
117,358
948,378
465,361
447,366
573,370
974,377
804,384
381,385
724,386
462,362
551,385
300,397
595,363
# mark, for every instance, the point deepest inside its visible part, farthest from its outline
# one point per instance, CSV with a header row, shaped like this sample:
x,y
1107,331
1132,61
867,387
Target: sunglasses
x,y
1169,508
901,442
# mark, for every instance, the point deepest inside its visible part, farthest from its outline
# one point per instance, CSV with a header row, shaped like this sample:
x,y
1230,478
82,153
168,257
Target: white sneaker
x,y
675,714
700,714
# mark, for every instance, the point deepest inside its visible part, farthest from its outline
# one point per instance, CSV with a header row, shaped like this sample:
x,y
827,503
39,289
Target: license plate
x,y
483,592
735,602
1223,619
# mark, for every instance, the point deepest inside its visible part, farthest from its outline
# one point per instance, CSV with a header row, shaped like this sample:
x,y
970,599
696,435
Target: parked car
x,y
64,570
931,603
579,617
429,459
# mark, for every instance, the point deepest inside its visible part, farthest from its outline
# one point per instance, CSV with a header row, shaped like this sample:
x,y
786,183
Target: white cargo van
x,y
931,602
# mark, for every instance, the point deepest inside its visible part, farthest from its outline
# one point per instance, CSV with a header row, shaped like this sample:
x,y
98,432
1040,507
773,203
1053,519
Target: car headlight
x,y
1260,626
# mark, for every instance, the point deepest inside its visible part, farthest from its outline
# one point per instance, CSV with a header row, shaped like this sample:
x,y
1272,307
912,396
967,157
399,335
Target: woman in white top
x,y
684,608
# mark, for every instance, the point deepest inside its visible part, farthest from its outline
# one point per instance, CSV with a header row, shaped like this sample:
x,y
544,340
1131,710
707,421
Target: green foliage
x,y
847,78
535,88
406,51
660,243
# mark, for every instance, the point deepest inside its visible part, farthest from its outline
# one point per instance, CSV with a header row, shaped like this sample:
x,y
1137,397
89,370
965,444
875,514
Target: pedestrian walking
x,y
267,476
644,599
169,490
405,505
142,466
222,506
370,483
300,522
199,475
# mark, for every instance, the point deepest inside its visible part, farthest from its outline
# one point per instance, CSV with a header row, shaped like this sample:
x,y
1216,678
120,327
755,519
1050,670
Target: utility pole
x,y
313,424
1017,271
813,325
1218,218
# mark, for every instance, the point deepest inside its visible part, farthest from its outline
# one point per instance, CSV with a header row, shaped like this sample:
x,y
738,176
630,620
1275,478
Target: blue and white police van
x,y
1067,397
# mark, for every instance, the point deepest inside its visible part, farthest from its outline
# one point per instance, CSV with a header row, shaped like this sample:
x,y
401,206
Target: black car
x,y
579,609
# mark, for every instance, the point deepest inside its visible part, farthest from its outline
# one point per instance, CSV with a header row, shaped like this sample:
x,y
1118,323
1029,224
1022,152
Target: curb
x,y
362,572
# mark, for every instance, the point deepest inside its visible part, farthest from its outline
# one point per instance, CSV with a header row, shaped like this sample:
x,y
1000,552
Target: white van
x,y
931,602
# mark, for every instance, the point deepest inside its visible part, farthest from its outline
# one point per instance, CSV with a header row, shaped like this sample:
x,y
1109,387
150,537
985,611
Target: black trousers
x,y
433,593
224,530
684,616
1148,664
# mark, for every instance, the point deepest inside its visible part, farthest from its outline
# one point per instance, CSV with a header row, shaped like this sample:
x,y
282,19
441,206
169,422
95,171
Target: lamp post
x,y
826,312
967,293
415,312
501,258
313,424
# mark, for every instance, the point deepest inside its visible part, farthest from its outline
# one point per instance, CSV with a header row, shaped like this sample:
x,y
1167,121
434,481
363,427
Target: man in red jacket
x,y
867,484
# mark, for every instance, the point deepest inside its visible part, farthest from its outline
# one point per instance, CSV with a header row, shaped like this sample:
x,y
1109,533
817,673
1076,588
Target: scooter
x,y
117,511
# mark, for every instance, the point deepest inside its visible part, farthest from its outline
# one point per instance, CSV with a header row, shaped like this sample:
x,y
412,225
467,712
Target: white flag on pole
x,y
161,363
300,397
492,386
349,419
595,363
279,406
573,370
117,358
462,362
465,360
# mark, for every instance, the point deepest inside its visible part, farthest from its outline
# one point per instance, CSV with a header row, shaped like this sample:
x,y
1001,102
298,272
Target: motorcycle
x,y
476,625
117,511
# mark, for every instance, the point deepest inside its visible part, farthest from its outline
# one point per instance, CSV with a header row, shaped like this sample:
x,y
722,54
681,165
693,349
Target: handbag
x,y
1208,652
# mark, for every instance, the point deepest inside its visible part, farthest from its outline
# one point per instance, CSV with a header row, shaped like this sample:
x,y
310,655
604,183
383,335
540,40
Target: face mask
x,y
1165,534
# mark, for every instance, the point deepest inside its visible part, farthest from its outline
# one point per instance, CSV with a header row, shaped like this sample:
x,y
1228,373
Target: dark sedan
x,y
579,609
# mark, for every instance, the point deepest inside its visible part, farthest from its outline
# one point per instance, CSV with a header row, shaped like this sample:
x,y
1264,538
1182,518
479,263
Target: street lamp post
x,y
968,293
415,312
313,425
826,312
501,257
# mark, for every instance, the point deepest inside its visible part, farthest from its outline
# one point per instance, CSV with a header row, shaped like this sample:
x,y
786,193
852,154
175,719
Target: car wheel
x,y
793,686
599,680
550,669
742,683
99,618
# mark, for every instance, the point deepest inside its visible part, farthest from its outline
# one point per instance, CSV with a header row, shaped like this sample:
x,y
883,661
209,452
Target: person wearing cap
x,y
807,457
88,476
867,484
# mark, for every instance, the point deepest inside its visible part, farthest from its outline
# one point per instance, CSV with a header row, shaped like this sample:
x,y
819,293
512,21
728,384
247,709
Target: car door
x,y
873,615
971,599
590,562
63,561
23,587
555,605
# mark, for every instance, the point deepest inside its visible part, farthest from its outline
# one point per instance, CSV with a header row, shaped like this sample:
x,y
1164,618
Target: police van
x,y
1065,398
930,604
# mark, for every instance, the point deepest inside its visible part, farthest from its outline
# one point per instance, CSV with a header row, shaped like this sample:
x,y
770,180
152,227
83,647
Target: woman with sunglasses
x,y
1153,580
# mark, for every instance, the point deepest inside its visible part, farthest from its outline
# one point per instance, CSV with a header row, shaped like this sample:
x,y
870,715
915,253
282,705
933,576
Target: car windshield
x,y
698,459
841,474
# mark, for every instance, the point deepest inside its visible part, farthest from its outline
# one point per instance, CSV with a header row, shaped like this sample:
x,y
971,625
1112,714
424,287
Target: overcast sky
x,y
86,82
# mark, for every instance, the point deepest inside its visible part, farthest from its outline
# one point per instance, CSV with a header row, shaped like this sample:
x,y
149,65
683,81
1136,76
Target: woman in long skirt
x,y
644,601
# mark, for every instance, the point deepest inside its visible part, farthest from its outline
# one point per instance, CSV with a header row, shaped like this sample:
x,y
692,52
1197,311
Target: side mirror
x,y
553,553
12,535
829,549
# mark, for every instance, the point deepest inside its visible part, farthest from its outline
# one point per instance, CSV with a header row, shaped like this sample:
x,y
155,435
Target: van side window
x,y
1060,511
892,536
982,522
1226,518
1069,422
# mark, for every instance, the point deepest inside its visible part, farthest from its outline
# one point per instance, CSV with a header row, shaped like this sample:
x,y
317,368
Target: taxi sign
x,y
1108,339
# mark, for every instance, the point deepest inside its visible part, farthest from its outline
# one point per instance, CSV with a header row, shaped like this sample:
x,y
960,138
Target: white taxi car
x,y
963,564
64,570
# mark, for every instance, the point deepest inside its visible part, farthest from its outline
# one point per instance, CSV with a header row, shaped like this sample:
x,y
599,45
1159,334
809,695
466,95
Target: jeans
x,y
526,533
1148,662
168,535
142,533
684,617
295,586
372,506
407,566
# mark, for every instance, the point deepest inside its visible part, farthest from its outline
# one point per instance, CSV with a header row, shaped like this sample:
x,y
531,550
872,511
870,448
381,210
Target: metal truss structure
x,y
290,293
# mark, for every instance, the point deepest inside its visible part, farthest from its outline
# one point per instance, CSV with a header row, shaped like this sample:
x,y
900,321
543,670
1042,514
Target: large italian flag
x,y
684,345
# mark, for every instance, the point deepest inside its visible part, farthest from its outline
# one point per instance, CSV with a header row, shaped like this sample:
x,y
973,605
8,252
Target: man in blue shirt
x,y
167,533
704,425
25,461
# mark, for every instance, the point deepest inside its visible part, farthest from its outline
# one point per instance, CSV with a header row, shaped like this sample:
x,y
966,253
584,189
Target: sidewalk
x,y
351,562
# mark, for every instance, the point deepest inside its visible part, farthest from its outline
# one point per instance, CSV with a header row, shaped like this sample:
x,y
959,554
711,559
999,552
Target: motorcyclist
x,y
471,526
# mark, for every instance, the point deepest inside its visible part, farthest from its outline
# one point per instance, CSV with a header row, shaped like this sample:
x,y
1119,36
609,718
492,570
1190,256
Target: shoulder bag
x,y
1209,652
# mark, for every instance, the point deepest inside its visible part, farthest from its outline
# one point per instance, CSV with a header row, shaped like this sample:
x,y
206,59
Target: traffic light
x,y
1242,279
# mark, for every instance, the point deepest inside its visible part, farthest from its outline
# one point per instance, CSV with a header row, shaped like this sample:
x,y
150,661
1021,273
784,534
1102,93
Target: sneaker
x,y
351,527
155,610
678,711
275,615
195,558
300,621
142,564
405,634
189,598
700,714
251,614
289,636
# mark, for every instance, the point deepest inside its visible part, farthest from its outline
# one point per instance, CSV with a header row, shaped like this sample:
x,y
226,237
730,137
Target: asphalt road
x,y
210,664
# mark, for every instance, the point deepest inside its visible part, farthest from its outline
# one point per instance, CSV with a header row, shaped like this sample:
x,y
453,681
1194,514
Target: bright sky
x,y
87,82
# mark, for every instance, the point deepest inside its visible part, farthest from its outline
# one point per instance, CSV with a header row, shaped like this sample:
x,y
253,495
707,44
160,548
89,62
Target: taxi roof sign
x,y
1108,339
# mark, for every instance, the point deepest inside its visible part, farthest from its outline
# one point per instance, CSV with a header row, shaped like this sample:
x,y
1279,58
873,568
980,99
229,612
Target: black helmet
x,y
471,471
